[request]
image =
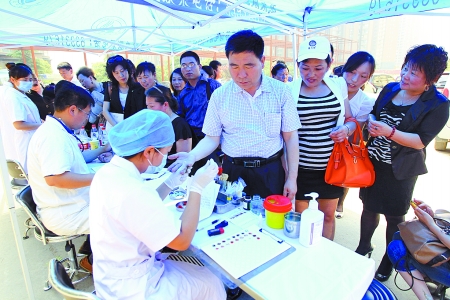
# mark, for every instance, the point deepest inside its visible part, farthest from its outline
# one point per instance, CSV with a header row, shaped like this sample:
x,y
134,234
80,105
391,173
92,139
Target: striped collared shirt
x,y
251,126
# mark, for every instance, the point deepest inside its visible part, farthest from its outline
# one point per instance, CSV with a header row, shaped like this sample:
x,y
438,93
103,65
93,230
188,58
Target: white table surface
x,y
325,271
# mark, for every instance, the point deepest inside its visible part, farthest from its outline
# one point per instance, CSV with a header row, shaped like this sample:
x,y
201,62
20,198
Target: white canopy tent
x,y
170,27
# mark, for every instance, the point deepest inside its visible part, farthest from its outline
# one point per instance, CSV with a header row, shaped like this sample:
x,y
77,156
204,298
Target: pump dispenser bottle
x,y
311,224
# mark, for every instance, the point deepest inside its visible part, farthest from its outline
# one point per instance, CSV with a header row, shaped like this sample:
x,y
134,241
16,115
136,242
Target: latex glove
x,y
204,176
184,161
176,179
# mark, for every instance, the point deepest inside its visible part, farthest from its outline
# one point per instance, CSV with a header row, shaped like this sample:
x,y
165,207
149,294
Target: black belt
x,y
254,162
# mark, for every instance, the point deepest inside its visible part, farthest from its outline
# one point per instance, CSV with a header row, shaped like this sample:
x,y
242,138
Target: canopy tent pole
x,y
24,60
85,59
168,66
173,57
36,73
133,26
161,58
270,55
294,54
8,197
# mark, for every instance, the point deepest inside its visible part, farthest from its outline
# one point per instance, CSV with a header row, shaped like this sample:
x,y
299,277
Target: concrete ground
x,y
431,187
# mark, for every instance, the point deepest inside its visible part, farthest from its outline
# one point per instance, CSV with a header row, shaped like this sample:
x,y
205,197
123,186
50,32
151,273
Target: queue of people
x,y
277,137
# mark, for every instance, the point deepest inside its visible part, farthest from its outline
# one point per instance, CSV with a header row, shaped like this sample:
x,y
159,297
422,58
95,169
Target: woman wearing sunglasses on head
x,y
160,98
125,97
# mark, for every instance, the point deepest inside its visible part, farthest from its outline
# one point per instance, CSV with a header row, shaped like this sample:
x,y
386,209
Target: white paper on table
x,y
242,252
207,202
209,196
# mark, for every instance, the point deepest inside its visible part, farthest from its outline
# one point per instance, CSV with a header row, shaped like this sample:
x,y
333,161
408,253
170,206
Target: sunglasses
x,y
114,59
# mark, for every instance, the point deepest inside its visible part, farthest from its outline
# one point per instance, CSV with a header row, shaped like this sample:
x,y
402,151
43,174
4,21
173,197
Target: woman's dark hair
x,y
86,72
278,67
67,94
49,93
327,60
245,41
429,59
145,66
161,94
115,61
338,71
19,71
356,60
176,71
209,70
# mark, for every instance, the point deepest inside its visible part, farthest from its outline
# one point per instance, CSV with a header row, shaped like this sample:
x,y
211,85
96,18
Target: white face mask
x,y
155,169
25,86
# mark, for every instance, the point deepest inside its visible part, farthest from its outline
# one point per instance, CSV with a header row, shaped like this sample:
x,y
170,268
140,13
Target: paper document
x,y
242,252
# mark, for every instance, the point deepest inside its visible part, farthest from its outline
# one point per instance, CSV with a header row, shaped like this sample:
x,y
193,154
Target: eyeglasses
x,y
114,59
87,114
188,65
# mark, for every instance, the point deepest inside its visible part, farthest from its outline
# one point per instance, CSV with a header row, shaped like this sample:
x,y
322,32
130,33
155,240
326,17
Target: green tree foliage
x,y
99,69
42,65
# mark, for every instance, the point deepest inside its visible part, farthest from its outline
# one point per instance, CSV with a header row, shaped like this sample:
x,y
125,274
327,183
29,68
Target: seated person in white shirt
x,y
130,224
66,72
58,174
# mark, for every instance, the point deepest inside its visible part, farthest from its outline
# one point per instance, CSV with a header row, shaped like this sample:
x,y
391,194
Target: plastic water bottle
x,y
94,132
104,139
83,135
311,225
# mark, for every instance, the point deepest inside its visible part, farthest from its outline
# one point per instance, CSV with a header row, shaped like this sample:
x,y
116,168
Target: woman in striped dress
x,y
322,106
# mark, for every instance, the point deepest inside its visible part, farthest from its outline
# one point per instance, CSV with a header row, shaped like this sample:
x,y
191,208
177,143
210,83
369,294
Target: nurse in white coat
x,y
19,116
129,223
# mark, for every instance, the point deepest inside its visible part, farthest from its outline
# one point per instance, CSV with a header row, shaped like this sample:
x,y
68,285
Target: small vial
x,y
216,231
246,202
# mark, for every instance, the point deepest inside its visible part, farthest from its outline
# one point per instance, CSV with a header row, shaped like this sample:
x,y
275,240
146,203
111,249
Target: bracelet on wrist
x,y
392,133
348,129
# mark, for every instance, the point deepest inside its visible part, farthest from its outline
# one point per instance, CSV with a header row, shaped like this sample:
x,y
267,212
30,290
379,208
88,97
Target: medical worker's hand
x,y
184,162
204,176
176,179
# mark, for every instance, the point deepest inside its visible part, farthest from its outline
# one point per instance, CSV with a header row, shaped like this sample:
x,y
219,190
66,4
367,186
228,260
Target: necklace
x,y
405,100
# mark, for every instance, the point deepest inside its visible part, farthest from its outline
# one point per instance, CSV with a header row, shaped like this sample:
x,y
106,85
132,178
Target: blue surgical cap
x,y
144,128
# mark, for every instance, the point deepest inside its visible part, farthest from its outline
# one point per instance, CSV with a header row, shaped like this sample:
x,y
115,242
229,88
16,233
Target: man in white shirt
x,y
66,72
58,173
252,116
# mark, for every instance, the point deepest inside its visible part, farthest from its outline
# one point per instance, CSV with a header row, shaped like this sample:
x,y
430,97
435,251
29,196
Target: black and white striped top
x,y
380,147
318,117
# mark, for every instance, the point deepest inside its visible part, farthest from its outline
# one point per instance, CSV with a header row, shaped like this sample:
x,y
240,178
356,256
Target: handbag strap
x,y
357,134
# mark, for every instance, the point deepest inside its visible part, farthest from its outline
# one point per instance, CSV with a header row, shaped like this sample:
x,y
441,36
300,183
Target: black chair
x,y
25,198
59,279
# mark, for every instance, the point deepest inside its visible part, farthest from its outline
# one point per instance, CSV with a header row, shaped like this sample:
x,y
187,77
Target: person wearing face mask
x,y
19,116
160,98
130,224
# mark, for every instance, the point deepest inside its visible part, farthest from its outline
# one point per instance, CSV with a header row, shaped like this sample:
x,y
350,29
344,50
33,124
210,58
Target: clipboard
x,y
245,253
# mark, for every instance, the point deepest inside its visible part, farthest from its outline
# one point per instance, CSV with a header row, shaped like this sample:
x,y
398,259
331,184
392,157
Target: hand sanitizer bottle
x,y
311,224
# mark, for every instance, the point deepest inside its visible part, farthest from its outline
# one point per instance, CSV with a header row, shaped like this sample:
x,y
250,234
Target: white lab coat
x,y
129,225
53,151
15,106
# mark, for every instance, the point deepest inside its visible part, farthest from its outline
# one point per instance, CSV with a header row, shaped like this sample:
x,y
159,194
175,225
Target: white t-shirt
x,y
76,82
15,106
129,224
361,105
123,99
53,151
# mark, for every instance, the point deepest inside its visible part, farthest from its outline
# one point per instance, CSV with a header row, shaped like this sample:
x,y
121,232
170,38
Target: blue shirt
x,y
194,101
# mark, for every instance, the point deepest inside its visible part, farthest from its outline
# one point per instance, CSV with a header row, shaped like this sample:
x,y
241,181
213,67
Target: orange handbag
x,y
349,164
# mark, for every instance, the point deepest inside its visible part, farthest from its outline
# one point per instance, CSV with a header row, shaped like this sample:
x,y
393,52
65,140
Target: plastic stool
x,y
378,291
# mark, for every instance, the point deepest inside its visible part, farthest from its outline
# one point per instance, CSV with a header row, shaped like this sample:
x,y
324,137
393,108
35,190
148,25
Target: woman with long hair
x,y
177,82
406,117
160,98
357,71
125,97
